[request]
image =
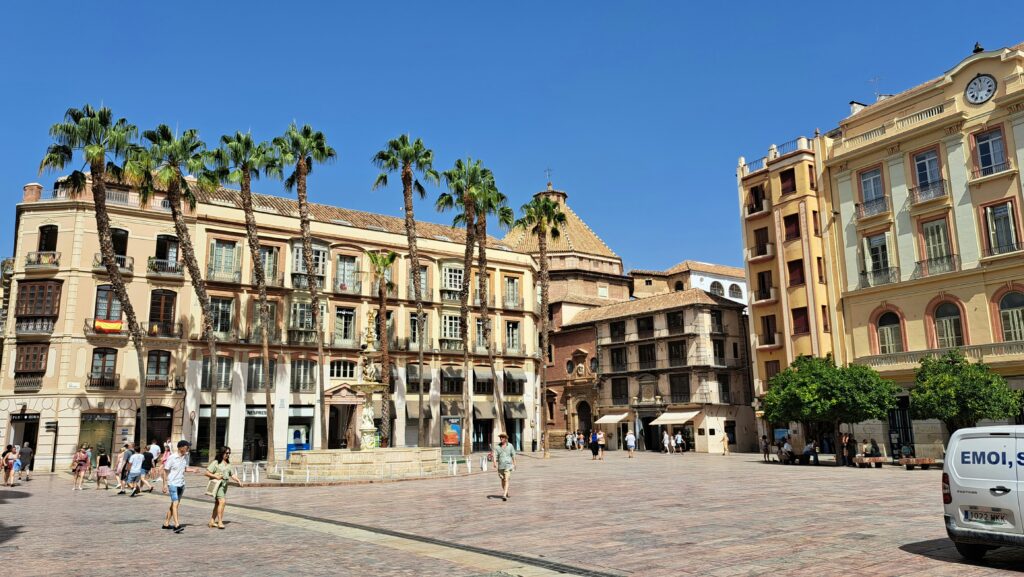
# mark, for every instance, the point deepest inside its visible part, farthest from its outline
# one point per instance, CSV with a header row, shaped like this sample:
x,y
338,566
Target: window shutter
x,y
890,252
866,250
990,219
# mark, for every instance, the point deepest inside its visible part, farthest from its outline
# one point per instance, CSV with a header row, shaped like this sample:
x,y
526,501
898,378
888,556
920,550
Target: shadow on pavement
x,y
8,532
5,495
1009,558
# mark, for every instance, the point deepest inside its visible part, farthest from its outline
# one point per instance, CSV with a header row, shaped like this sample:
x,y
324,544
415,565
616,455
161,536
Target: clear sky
x,y
640,109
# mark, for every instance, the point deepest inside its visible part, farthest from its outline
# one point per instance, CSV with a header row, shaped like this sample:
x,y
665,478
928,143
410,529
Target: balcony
x,y
415,345
162,330
929,192
761,252
766,341
679,398
676,328
1003,249
272,278
873,207
32,326
300,336
490,300
450,295
300,281
990,354
878,277
223,385
340,341
619,367
115,328
620,400
513,303
254,335
343,285
24,383
451,344
758,208
125,264
764,295
103,380
224,275
674,362
164,267
938,265
643,334
45,260
513,350
719,328
427,295
992,169
647,364
228,336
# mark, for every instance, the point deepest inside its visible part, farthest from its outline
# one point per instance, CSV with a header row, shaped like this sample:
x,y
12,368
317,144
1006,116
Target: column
x,y
963,207
899,196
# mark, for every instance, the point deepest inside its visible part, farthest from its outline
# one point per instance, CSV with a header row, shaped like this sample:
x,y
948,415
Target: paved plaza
x,y
655,515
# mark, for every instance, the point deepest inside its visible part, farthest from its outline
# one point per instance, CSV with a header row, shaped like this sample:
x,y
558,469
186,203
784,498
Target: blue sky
x,y
640,109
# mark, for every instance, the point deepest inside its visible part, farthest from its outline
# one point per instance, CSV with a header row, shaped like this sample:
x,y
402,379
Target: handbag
x,y
212,486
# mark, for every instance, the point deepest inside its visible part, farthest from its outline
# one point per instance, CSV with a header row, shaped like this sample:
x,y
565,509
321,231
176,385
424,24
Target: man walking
x,y
630,443
504,456
135,473
176,467
26,461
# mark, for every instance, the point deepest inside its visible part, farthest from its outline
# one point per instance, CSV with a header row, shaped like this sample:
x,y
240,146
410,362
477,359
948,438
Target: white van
x,y
983,489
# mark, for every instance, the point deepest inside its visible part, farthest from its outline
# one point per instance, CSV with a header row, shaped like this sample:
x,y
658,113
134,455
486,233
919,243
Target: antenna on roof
x,y
547,173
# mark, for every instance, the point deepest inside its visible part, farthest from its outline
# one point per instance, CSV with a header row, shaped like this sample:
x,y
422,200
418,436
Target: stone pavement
x,y
656,515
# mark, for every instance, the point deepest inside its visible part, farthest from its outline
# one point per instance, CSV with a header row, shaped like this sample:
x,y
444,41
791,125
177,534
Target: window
x,y
512,295
414,327
677,353
224,257
679,388
1011,314
345,323
926,167
724,392
991,152
647,356
343,370
735,350
257,322
948,330
161,312
450,327
167,248
451,382
771,368
224,367
602,291
347,274
451,278
735,291
791,223
569,366
512,337
108,307
890,336
761,241
47,238
618,330
158,367
999,223
31,358
104,363
220,311
756,199
619,359
513,385
717,289
388,282
593,364
674,321
824,318
620,391
388,326
768,329
764,285
812,179
645,326
303,374
871,186
480,340
787,180
718,348
268,260
679,287
800,321
119,238
821,269
319,260
38,298
482,382
256,381
816,223
876,252
796,272
648,282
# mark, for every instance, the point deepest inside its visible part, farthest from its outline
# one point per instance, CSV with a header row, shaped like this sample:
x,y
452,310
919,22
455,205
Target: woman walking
x,y
79,467
7,463
221,470
594,447
601,444
102,469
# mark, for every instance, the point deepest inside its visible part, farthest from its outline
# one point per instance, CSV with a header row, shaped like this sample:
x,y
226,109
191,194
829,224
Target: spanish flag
x,y
111,326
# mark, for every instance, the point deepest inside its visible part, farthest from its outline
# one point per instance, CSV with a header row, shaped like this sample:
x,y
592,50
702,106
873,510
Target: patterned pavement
x,y
656,515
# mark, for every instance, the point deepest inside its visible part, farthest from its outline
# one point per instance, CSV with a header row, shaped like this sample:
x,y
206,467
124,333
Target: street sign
x,y
51,426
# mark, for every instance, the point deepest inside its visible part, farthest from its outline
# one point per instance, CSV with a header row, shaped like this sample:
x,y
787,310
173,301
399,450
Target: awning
x,y
610,419
452,408
378,407
484,409
482,374
452,372
412,409
675,418
514,410
515,374
412,373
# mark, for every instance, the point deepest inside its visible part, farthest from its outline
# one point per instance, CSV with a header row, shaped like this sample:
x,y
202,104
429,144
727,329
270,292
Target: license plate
x,y
986,517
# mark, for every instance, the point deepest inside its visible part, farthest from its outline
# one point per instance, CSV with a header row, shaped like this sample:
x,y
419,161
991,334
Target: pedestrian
x,y
851,450
176,467
601,443
725,443
221,470
154,448
7,463
135,472
504,457
665,440
811,451
569,438
122,460
630,443
102,469
672,444
594,447
147,466
27,458
580,441
679,441
79,467
766,449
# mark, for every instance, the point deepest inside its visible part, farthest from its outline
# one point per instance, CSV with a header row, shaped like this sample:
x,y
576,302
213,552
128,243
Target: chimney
x,y
977,48
856,107
32,192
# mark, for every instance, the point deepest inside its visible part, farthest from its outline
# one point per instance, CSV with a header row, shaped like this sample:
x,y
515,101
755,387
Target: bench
x,y
798,459
923,462
866,462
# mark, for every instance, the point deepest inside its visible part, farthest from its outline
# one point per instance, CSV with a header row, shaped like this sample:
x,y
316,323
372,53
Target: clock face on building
x,y
980,89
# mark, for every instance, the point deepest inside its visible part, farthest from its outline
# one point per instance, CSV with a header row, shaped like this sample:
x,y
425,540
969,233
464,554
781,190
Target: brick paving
x,y
656,515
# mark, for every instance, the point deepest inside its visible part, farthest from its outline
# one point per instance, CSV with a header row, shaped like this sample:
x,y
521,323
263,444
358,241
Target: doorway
x,y
584,418
340,427
483,430
25,429
97,431
158,426
652,434
901,432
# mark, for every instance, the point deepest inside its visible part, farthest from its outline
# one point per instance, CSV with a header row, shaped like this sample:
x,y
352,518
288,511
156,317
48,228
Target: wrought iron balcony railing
x,y
878,277
42,260
164,267
872,207
938,265
125,264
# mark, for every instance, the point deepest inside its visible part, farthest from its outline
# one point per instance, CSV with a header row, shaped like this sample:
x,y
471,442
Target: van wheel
x,y
910,467
971,551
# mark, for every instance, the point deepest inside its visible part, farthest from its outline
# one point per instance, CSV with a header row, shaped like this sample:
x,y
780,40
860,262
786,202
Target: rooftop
x,y
575,235
661,302
695,266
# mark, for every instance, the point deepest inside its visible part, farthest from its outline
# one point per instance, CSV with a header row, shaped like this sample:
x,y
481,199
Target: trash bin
x,y
534,444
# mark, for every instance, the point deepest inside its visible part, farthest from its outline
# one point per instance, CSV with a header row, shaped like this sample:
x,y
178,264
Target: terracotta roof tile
x,y
575,236
661,302
696,266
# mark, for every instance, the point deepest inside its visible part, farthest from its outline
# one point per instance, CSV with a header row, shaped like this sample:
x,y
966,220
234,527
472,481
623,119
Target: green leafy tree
x,y
960,393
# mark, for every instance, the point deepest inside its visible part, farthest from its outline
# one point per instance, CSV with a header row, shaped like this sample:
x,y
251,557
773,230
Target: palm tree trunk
x,y
199,287
307,256
261,287
417,292
99,199
485,314
543,357
385,360
467,280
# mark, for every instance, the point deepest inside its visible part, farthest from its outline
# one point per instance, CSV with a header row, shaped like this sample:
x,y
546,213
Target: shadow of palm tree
x,y
1009,558
5,495
8,532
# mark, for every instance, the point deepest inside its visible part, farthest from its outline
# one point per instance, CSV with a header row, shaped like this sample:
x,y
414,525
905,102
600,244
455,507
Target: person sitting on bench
x,y
786,454
811,451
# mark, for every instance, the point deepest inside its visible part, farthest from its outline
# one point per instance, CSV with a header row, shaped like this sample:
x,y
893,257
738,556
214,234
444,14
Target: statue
x,y
371,372
368,417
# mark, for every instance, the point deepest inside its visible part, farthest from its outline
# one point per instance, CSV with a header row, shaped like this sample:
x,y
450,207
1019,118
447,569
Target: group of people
x,y
576,441
847,450
673,443
849,446
17,461
137,470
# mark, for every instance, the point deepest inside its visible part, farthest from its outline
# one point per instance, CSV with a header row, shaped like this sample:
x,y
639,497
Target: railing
x,y
768,340
644,334
679,398
618,337
161,266
920,116
304,386
301,336
878,277
204,384
272,279
513,303
988,353
674,362
425,293
761,251
794,145
34,325
28,382
254,335
719,328
450,295
513,349
162,330
620,400
863,137
342,342
764,294
346,286
392,291
490,300
1003,249
123,198
755,165
929,191
872,207
648,364
157,381
414,345
44,259
451,344
230,336
938,265
619,367
759,207
676,329
300,280
106,327
124,263
983,171
103,380
218,275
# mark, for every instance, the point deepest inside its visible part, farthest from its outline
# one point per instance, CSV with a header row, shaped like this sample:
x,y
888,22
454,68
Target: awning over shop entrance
x,y
452,408
412,409
484,409
610,419
482,374
675,418
515,374
412,373
514,410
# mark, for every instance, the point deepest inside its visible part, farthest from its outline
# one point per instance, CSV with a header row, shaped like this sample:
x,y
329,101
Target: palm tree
x,y
380,264
304,147
102,141
239,160
490,201
402,156
464,181
542,218
169,164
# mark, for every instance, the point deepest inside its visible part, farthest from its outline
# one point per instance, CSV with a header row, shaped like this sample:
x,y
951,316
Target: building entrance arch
x,y
584,418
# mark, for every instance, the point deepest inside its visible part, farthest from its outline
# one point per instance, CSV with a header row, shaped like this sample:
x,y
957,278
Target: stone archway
x,y
344,409
584,417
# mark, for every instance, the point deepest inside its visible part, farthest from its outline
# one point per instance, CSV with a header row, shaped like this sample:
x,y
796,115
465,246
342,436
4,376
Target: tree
x,y
960,393
304,147
239,160
380,264
406,158
464,181
177,164
103,142
542,218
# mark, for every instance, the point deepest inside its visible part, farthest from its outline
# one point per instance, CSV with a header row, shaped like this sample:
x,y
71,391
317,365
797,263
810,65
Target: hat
x,y
184,443
502,435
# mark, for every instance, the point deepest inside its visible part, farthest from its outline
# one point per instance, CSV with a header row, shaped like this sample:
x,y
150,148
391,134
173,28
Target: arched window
x,y
948,326
569,366
680,286
890,337
119,238
735,291
47,238
717,289
1011,315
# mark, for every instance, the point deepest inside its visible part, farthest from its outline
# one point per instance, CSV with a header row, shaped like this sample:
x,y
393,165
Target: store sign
x,y
88,417
256,412
25,417
300,411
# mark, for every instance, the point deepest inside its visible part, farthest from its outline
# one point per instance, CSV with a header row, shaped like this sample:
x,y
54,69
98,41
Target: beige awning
x,y
412,372
514,410
515,374
484,409
452,408
412,408
675,418
610,419
482,374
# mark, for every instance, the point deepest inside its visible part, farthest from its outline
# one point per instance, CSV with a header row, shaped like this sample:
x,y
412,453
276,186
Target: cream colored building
x,y
67,357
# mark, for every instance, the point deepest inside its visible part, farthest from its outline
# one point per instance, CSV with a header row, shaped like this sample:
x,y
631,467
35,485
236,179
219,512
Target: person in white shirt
x,y
154,449
665,441
176,466
135,473
630,443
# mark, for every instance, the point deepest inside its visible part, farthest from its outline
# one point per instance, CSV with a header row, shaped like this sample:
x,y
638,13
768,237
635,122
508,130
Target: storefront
x,y
681,422
158,425
300,428
254,444
24,429
412,407
484,414
202,448
97,431
515,416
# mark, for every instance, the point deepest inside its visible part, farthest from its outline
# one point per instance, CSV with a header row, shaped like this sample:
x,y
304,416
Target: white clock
x,y
980,89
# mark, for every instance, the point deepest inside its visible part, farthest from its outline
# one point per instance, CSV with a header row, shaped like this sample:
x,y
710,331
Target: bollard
x,y
307,473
